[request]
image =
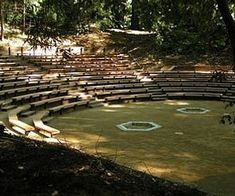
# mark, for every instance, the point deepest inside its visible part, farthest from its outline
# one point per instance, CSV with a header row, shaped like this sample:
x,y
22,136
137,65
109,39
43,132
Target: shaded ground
x,y
33,168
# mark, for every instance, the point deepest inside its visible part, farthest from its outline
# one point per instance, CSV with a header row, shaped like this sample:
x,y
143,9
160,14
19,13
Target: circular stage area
x,y
194,149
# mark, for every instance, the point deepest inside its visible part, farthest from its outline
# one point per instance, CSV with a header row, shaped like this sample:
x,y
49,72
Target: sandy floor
x,y
190,148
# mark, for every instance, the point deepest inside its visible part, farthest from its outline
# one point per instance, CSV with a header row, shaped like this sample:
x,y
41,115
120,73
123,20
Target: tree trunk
x,y
135,15
229,22
2,20
118,16
24,14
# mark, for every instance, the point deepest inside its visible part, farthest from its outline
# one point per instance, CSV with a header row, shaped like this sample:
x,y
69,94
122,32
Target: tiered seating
x,y
73,105
17,125
83,63
34,93
40,95
101,76
191,84
46,102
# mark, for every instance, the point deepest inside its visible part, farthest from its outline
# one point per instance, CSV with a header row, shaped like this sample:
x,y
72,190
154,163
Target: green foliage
x,y
113,14
186,27
228,117
181,26
58,18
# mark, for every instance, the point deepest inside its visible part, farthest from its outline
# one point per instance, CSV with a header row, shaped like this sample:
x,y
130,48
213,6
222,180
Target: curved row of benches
x,y
47,97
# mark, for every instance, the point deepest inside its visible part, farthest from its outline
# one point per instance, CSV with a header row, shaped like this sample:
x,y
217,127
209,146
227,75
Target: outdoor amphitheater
x,y
166,123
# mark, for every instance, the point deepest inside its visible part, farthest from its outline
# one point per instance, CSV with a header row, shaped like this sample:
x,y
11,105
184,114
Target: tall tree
x,y
2,20
118,10
24,16
229,22
135,21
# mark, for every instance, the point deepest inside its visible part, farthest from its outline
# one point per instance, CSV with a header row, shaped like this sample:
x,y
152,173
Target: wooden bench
x,y
15,122
45,102
113,86
128,97
111,81
101,94
13,84
72,105
39,95
28,89
22,83
159,97
227,98
19,130
200,95
41,127
181,79
13,78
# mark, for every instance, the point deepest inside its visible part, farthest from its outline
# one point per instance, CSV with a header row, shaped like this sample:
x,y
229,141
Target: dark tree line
x,y
180,25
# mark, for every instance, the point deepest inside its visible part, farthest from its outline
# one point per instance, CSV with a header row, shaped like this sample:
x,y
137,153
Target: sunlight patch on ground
x,y
106,110
169,172
87,139
154,170
185,155
179,133
115,106
66,117
175,102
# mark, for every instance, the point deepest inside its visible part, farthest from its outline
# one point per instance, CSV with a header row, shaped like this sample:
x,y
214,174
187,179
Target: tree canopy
x,y
180,25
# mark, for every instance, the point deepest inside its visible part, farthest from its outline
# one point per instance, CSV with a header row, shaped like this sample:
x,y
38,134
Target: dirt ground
x,y
30,167
187,148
